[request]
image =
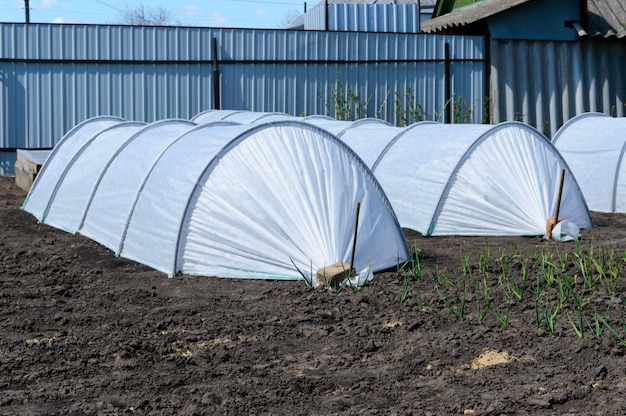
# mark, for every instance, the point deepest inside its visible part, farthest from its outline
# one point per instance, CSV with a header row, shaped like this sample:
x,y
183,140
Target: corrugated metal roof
x,y
448,6
296,24
300,23
470,14
370,2
607,18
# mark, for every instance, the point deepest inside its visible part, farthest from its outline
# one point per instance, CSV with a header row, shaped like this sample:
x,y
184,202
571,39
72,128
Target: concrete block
x,y
27,165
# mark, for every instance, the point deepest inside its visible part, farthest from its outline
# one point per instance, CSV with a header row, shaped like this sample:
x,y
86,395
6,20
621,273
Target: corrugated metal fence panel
x,y
545,83
55,76
382,18
306,72
247,45
315,18
96,42
43,101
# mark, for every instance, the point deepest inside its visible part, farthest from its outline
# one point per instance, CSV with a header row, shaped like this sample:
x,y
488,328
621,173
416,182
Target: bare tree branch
x,y
141,15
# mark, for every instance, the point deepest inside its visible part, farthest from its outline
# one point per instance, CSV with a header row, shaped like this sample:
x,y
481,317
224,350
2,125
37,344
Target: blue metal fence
x,y
54,76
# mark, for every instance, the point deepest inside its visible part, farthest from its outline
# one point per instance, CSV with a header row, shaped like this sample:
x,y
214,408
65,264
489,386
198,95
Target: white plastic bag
x,y
565,231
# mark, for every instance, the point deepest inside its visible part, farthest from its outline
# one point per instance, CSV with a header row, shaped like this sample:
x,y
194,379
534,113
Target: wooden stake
x,y
553,221
356,226
558,202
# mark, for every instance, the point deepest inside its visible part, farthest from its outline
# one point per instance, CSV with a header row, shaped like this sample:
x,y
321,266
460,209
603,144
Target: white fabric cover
x,y
62,154
209,116
367,136
71,199
256,117
123,180
329,124
238,116
222,199
475,179
369,140
462,179
593,146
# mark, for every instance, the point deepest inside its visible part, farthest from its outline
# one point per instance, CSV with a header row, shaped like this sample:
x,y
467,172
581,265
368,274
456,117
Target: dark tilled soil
x,y
84,332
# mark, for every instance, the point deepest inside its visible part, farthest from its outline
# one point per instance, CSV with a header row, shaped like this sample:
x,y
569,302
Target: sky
x,y
261,14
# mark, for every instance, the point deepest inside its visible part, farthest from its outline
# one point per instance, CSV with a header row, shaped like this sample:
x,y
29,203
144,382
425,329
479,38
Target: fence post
x,y
27,11
326,15
447,82
216,77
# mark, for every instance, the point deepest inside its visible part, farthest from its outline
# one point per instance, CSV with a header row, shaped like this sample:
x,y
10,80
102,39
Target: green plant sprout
x,y
411,113
577,325
308,280
355,287
347,103
557,283
549,314
455,304
565,283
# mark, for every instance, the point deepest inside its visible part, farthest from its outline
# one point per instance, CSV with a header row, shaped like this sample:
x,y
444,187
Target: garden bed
x,y
85,332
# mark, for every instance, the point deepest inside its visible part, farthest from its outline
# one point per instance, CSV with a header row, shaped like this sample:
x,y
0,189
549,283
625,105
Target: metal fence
x,y
380,18
54,76
545,83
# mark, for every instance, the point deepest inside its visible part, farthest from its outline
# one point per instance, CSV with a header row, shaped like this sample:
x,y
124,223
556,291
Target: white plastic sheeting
x,y
593,145
219,199
367,137
465,179
476,179
238,116
60,157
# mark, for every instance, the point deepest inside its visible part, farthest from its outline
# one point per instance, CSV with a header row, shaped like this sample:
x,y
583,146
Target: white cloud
x,y
47,4
260,11
188,10
217,19
60,20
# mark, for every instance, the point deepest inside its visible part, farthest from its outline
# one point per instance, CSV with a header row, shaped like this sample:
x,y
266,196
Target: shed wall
x,y
381,18
545,83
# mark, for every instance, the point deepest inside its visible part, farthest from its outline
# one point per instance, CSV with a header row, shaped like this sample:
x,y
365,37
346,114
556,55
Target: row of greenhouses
x,y
267,195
